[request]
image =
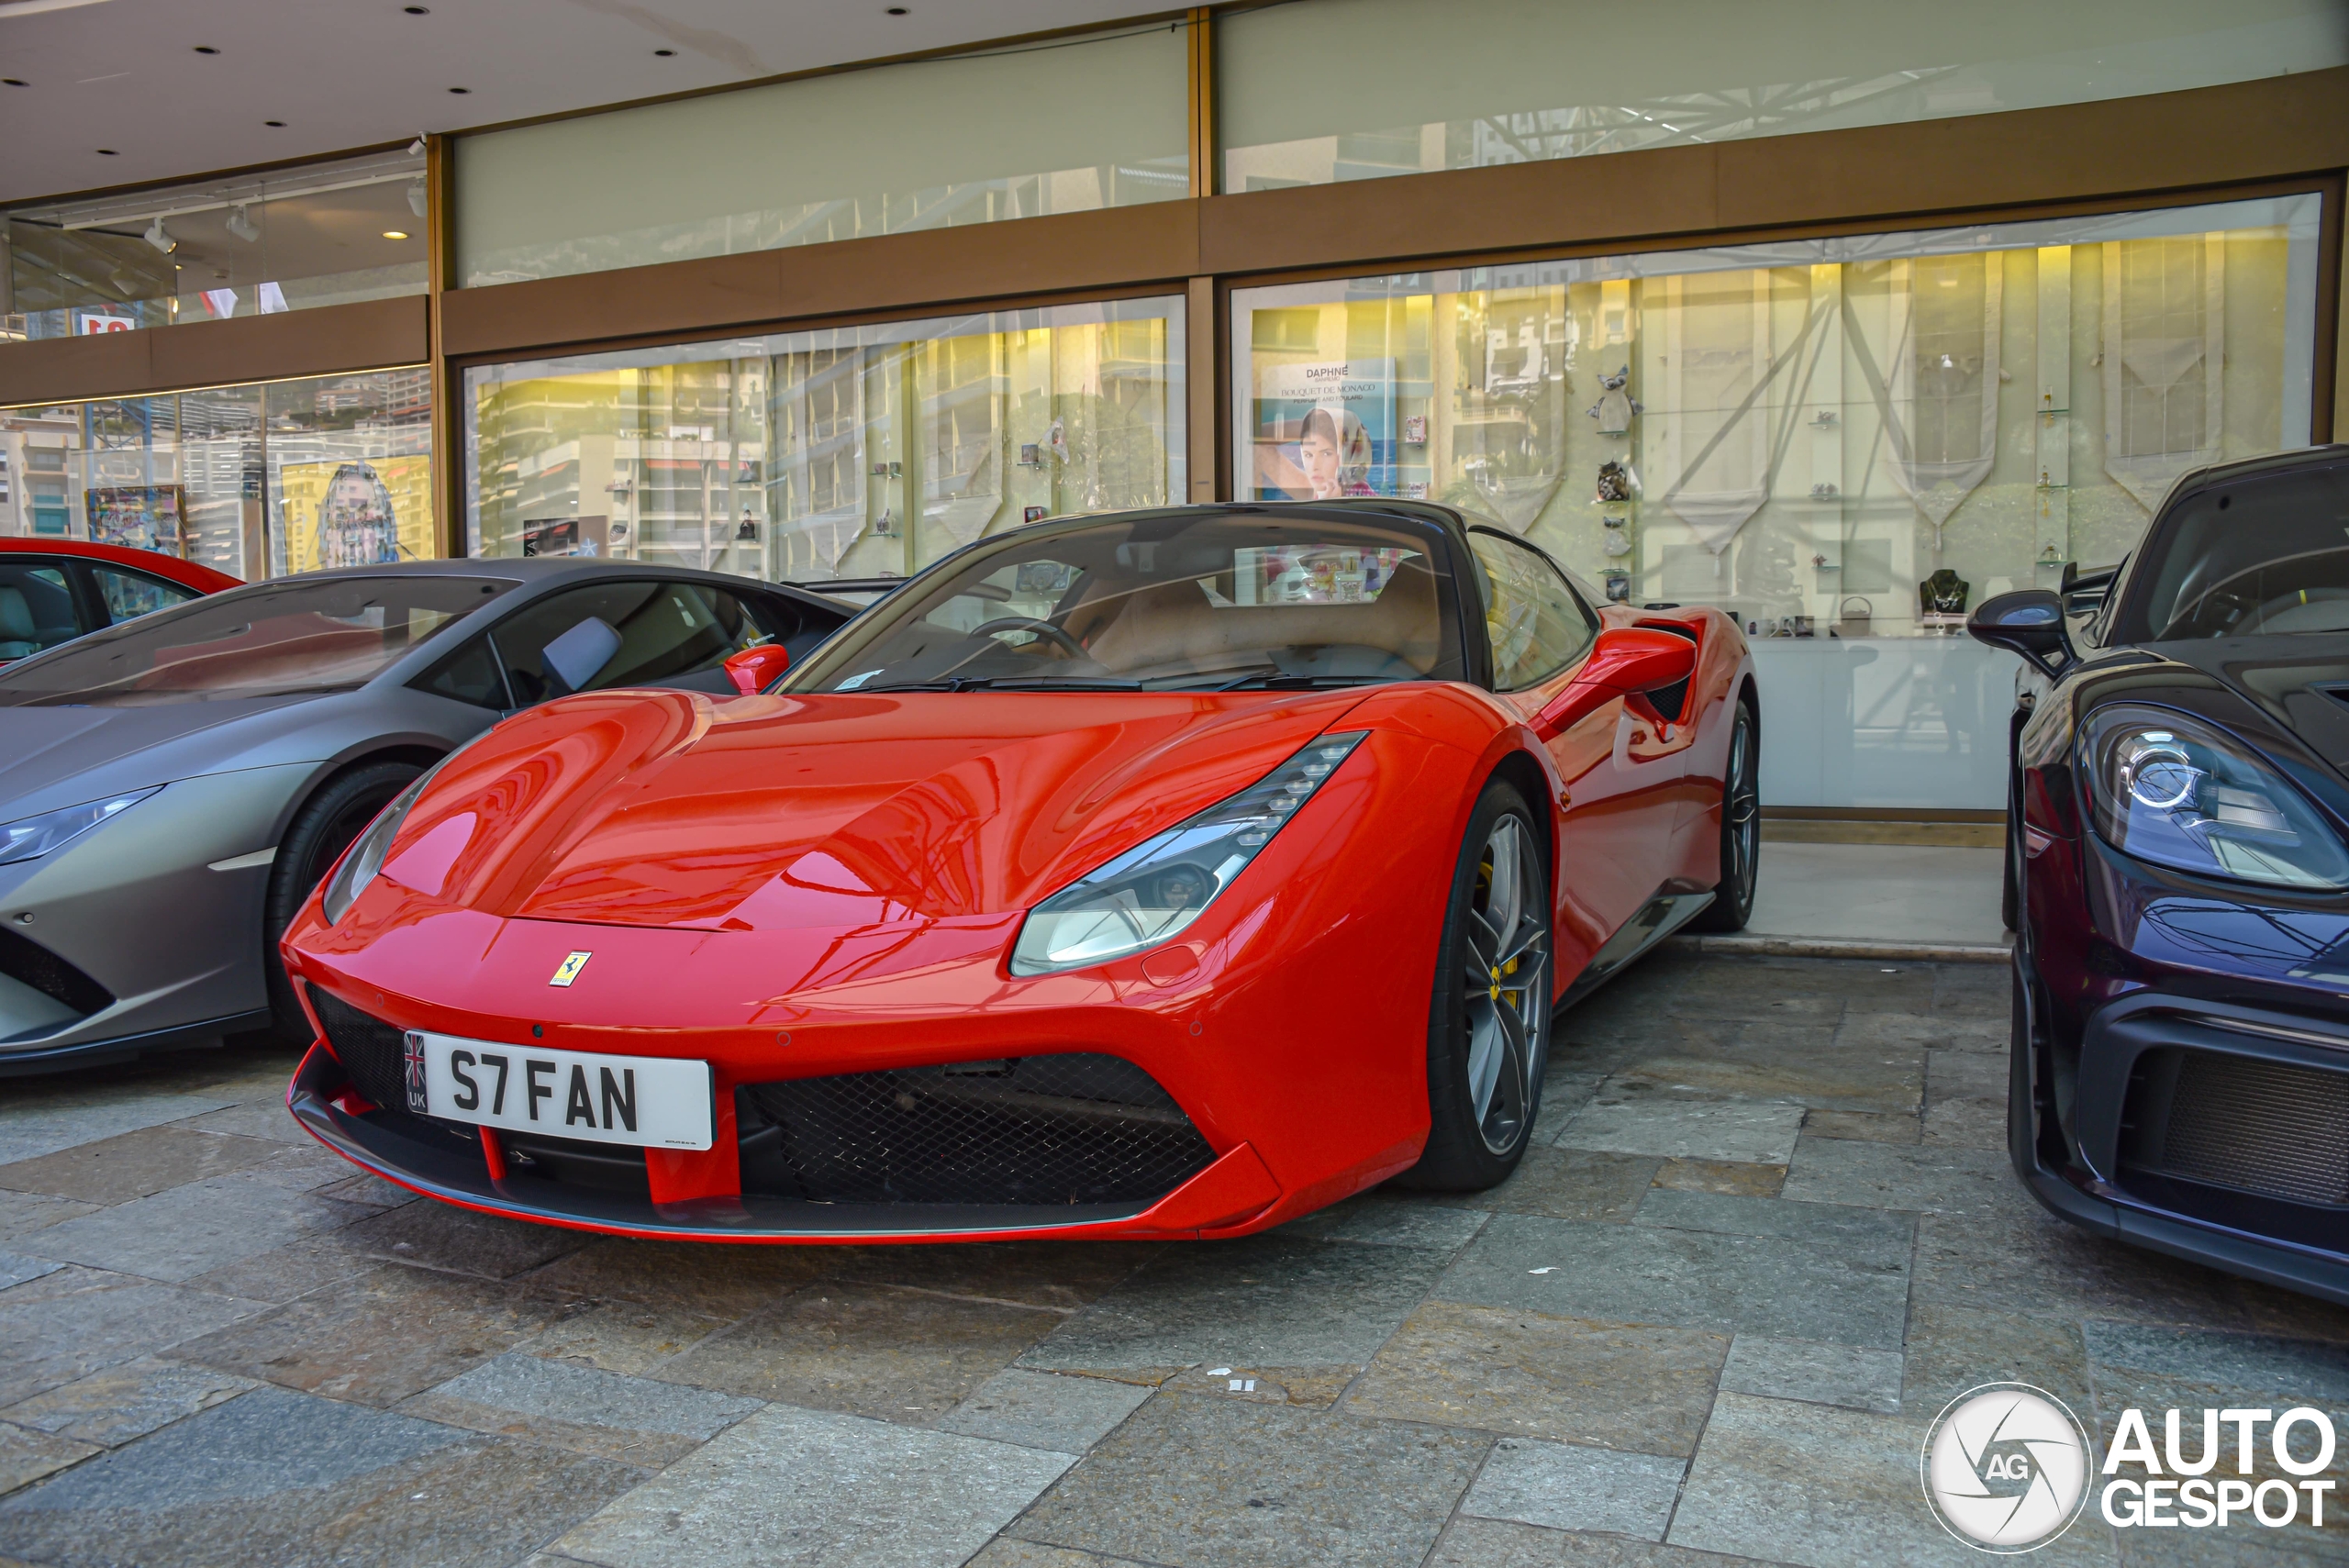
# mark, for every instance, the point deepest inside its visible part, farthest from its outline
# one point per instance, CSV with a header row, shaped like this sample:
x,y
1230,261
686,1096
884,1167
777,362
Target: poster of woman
x,y
1324,429
356,525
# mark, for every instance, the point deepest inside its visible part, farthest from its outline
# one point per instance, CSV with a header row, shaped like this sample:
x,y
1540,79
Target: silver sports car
x,y
170,789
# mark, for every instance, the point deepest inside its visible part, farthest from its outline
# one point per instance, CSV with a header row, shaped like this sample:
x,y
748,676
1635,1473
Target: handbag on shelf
x,y
1850,625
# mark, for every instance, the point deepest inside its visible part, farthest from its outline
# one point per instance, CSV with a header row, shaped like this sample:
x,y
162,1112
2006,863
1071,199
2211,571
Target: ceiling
x,y
125,75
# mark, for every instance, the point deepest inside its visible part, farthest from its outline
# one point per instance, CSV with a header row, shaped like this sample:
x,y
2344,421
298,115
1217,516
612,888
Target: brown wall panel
x,y
324,341
1114,249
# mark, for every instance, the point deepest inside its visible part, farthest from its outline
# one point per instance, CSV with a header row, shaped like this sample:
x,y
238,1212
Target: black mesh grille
x,y
373,1052
1036,1129
2262,1126
30,963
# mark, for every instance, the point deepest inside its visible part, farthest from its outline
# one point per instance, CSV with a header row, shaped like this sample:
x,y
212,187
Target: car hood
x,y
670,808
2299,682
43,750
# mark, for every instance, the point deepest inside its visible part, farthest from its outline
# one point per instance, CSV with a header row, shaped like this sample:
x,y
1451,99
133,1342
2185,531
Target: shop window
x,y
849,453
130,594
1318,91
1843,443
238,246
254,481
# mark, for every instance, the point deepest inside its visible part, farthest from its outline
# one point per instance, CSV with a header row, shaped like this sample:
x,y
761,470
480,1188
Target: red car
x,y
55,590
1164,874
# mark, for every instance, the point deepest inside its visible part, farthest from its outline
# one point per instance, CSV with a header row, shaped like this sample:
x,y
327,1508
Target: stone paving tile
x,y
1734,1177
283,1479
1384,1218
1043,1409
1562,1093
634,1419
1004,1552
191,1230
40,1123
377,1337
77,1321
895,1356
306,1169
1472,1542
1567,1488
113,1406
1938,1031
442,1235
373,1191
1965,1098
1748,988
16,1269
1316,1386
1565,1184
284,1272
21,1214
1193,1481
2297,1369
1939,1178
1768,1063
135,1164
1882,1237
2019,1259
1815,1374
1762,1131
727,1282
1529,1375
1264,1301
1060,1274
1853,1291
1833,1488
807,1486
26,1456
1981,990
1869,1127
622,1336
266,1117
1952,1349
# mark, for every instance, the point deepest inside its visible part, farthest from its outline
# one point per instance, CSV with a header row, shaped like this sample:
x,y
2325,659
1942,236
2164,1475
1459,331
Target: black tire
x,y
1489,1029
2010,880
321,831
1732,903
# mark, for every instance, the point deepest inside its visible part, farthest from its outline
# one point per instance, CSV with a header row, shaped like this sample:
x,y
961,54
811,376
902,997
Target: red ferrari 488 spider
x,y
1159,873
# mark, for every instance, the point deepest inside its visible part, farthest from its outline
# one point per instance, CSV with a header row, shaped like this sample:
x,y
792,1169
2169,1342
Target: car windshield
x,y
1164,601
2268,554
297,635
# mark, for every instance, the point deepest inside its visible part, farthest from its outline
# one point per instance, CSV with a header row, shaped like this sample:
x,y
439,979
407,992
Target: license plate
x,y
655,1102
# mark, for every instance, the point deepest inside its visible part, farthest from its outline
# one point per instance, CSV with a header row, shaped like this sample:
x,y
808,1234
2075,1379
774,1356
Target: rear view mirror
x,y
753,670
2029,621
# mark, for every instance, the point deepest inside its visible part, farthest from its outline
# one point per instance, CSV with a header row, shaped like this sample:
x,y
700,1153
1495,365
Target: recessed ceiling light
x,y
12,81
417,10
206,49
395,234
664,54
279,124
897,10
108,152
461,90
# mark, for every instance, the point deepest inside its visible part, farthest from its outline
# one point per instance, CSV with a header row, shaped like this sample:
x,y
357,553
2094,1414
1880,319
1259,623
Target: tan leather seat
x,y
1174,625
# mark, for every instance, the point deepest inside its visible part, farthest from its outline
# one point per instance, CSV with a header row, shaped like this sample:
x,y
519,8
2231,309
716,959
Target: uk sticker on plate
x,y
655,1102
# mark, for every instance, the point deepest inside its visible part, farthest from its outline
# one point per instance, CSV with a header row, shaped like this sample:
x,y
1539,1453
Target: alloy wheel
x,y
1505,984
1742,805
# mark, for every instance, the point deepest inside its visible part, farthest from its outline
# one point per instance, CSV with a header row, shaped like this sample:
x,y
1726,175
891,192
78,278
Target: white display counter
x,y
1884,721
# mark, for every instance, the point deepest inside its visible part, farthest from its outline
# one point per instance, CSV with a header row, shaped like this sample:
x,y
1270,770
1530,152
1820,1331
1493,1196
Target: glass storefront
x,y
1842,442
252,245
256,480
1072,125
844,453
1317,91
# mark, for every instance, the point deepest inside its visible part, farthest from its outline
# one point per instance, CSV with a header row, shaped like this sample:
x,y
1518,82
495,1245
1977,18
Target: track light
x,y
161,240
242,225
415,148
415,200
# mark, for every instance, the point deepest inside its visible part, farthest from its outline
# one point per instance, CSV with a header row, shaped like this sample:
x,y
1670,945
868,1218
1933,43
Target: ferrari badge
x,y
568,970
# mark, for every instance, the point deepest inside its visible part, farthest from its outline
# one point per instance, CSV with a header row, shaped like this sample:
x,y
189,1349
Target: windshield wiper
x,y
1273,681
1004,684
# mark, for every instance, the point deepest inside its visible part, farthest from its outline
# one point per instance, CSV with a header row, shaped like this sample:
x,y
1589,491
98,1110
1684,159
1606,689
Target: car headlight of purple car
x,y
2181,793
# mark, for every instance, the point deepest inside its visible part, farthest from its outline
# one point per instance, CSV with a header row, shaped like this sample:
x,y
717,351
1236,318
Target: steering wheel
x,y
1042,628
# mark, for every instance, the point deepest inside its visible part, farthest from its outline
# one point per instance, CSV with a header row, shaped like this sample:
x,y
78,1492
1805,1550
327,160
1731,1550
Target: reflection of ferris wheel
x,y
356,525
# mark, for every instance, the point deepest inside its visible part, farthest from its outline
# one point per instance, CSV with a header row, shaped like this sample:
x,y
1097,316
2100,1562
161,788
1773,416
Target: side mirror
x,y
753,670
1626,661
2029,621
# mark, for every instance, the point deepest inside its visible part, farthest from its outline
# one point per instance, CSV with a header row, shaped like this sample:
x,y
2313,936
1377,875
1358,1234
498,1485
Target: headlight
x,y
367,854
1150,894
2180,793
34,837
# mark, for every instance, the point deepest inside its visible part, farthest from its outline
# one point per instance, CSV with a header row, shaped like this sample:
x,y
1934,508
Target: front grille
x,y
2269,1128
30,963
373,1052
1035,1129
